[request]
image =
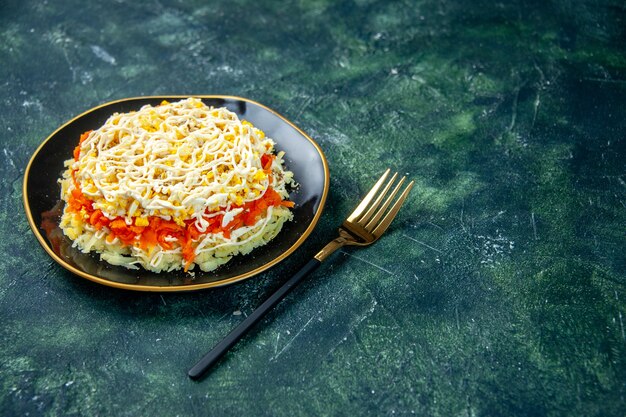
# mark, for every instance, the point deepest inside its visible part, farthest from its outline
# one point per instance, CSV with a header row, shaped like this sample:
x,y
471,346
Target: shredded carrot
x,y
80,142
84,136
267,160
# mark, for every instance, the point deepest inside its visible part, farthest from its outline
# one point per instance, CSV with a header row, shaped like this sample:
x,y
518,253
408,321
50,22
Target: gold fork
x,y
363,227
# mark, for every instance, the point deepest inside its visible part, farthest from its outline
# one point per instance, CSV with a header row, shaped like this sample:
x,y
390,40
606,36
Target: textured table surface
x,y
499,290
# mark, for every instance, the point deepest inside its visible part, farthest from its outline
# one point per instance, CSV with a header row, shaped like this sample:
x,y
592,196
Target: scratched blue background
x,y
501,287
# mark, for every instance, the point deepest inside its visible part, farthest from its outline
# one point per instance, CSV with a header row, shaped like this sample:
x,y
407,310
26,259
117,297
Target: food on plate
x,y
174,186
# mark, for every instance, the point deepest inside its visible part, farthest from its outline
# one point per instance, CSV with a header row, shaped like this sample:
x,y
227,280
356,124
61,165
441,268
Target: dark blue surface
x,y
499,290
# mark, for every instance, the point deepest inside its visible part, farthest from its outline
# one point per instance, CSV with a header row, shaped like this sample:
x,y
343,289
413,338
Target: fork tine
x,y
368,198
372,208
372,223
386,221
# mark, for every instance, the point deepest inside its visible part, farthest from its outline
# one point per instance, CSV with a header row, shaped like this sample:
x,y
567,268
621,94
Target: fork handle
x,y
238,332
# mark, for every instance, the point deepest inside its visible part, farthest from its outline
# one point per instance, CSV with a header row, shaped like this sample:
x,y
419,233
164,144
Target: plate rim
x,y
174,288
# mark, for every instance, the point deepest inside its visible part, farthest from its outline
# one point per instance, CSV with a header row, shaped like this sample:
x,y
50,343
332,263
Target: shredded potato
x,y
174,186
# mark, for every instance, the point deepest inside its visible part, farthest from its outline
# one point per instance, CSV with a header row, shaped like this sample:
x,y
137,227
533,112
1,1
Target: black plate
x,y
42,194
